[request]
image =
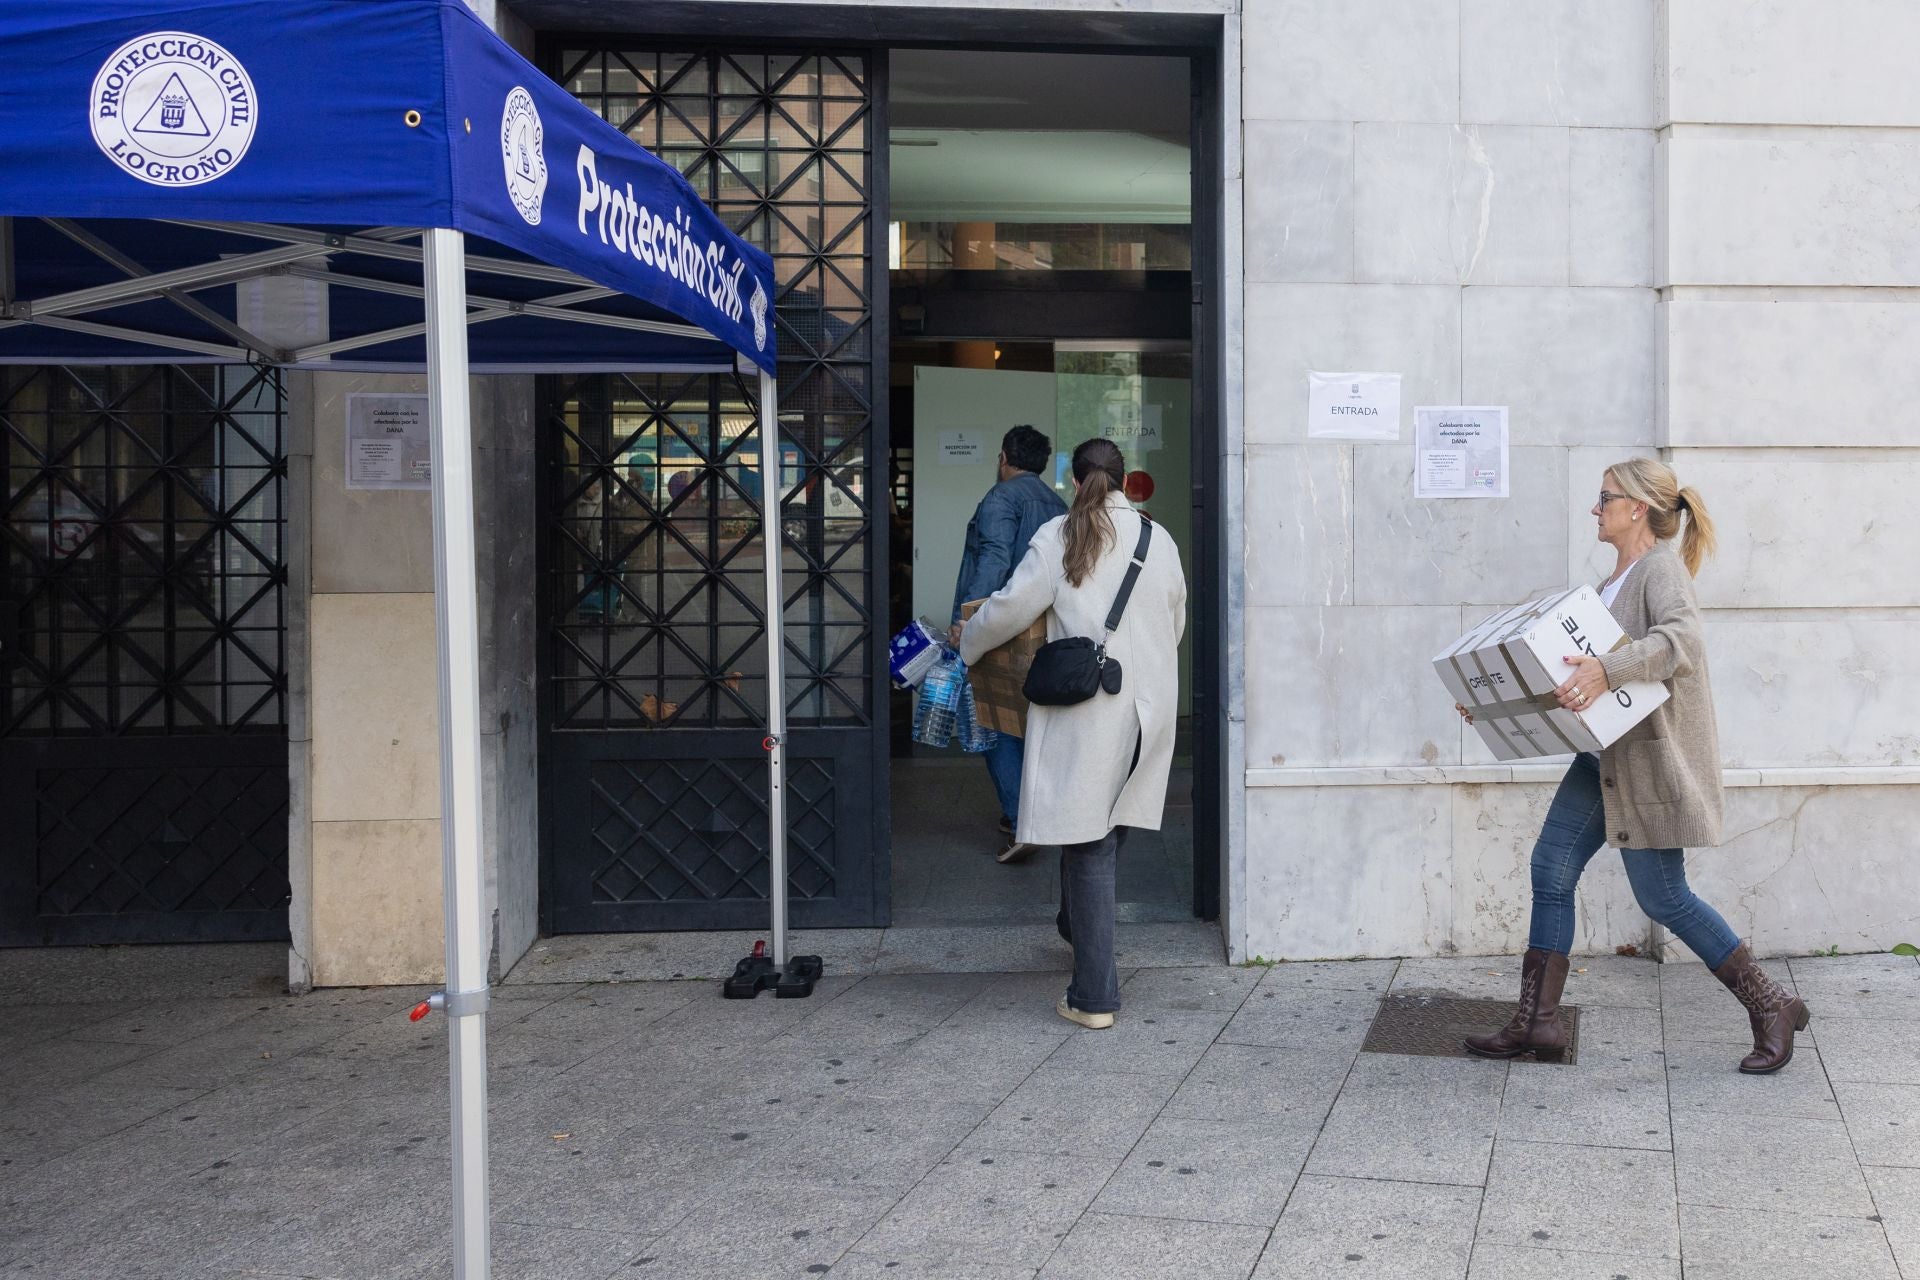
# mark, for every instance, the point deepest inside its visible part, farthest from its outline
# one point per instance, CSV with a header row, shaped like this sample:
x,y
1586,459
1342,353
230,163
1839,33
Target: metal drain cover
x,y
1434,1026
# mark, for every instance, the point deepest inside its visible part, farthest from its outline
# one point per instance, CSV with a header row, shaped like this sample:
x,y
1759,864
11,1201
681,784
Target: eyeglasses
x,y
1606,497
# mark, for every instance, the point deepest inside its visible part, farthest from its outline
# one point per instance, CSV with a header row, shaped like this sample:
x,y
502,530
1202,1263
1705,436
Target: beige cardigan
x,y
1661,782
1080,780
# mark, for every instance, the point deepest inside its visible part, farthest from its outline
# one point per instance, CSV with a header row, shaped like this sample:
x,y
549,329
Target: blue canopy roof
x,y
288,150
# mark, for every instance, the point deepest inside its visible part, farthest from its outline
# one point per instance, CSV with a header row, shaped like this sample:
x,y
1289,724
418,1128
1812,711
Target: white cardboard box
x,y
1506,669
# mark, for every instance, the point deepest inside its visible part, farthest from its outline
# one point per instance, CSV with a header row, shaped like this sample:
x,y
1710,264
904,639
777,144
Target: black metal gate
x,y
143,744
653,668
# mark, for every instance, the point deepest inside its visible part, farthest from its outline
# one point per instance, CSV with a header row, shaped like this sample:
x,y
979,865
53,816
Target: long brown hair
x,y
1651,481
1100,469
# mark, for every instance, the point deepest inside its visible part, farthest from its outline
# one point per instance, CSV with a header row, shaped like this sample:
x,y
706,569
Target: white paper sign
x,y
389,445
961,448
1134,426
1460,452
1353,406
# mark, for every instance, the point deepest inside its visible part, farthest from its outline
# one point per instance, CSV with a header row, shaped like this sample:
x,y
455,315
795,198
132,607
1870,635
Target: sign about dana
x,y
1505,671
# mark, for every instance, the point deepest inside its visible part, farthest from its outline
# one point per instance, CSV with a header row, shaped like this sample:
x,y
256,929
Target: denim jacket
x,y
997,536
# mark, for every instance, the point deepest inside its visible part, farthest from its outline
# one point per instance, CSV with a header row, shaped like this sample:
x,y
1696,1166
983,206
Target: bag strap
x,y
1133,572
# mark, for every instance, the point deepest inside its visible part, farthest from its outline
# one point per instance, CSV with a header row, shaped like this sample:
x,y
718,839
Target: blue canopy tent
x,y
369,184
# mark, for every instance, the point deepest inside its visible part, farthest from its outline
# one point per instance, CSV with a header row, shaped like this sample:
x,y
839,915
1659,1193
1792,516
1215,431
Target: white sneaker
x,y
1091,1021
1014,852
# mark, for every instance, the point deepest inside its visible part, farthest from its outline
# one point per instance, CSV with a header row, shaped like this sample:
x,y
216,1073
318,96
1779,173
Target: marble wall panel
x,y
1344,872
1448,204
1806,528
1810,688
1453,551
1299,201
1789,62
376,735
1802,869
1299,525
1412,330
1349,686
363,539
1574,366
377,908
1738,371
1494,830
1800,210
1610,218
1557,62
1350,60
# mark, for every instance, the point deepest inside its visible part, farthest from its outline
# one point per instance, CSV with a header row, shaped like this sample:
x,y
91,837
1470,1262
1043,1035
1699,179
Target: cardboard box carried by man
x,y
1505,671
999,679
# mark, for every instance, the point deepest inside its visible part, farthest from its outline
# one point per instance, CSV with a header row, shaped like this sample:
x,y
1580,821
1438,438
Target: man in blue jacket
x,y
997,537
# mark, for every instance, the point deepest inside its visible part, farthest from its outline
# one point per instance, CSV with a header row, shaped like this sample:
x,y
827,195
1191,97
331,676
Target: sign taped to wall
x,y
389,445
1353,406
1460,451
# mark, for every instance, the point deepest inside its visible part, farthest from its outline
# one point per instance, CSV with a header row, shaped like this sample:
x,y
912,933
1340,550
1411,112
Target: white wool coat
x,y
1080,781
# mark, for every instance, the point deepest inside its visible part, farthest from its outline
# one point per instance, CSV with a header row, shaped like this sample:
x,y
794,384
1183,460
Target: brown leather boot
x,y
1775,1012
1536,1024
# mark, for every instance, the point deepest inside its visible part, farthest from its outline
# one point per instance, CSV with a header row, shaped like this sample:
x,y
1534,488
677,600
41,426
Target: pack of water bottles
x,y
943,713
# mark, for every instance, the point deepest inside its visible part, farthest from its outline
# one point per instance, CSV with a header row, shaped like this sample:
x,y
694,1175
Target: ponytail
x,y
1697,541
1099,468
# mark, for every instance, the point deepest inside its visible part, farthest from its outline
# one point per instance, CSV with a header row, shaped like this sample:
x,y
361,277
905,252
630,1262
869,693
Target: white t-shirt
x,y
1612,590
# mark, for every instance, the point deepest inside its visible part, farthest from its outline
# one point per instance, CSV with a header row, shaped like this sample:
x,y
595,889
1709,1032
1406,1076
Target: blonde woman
x,y
1096,768
1655,792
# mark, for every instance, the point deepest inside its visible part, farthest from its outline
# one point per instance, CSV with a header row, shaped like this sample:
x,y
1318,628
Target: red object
x,y
420,1011
760,949
1139,486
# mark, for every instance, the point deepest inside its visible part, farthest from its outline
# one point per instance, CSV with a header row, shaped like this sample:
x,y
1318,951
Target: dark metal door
x,y
653,670
143,745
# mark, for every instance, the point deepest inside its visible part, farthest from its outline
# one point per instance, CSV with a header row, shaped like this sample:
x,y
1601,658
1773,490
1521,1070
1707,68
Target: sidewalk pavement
x,y
949,1125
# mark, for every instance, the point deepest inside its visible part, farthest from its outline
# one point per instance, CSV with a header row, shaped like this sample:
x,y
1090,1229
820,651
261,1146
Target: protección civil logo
x,y
173,109
523,150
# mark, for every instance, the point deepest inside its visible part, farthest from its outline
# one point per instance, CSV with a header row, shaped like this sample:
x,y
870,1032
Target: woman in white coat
x,y
1098,767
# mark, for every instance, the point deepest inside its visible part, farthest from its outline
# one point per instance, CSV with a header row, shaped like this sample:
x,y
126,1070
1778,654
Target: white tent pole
x,y
457,609
770,515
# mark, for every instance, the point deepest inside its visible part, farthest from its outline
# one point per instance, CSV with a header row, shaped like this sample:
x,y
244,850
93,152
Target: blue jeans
x,y
1004,760
1575,829
1088,876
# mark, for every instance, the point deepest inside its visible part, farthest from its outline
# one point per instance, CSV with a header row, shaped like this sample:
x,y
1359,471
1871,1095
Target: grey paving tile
x,y
1585,1199
1414,1120
160,1024
1696,1007
965,1065
889,1009
52,1124
1284,1087
520,1252
1167,945
63,1062
1616,981
1208,1171
1371,1230
24,1024
634,957
870,1142
797,1233
718,1024
1017,1004
640,1182
998,1208
1105,1246
38,975
1329,975
1883,987
1896,1198
1502,1262
1146,1041
1732,1244
1706,1078
1883,1120
1057,1111
1014,948
600,1016
860,1265
1871,1051
1585,1106
1214,987
1784,1163
1304,1019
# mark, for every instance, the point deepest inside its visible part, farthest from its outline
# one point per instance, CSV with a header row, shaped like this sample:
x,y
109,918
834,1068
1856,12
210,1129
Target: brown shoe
x,y
1775,1012
1535,1026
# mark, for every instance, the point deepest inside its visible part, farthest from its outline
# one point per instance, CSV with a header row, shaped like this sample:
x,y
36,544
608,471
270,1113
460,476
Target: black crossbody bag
x,y
1072,670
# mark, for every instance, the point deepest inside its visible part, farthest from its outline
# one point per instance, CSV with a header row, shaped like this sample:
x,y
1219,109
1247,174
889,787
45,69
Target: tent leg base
x,y
791,981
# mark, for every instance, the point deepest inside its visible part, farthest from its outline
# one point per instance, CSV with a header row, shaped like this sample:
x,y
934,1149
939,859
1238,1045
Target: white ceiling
x,y
1038,137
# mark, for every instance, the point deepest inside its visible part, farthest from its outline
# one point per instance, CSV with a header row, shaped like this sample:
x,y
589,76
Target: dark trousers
x,y
1088,874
